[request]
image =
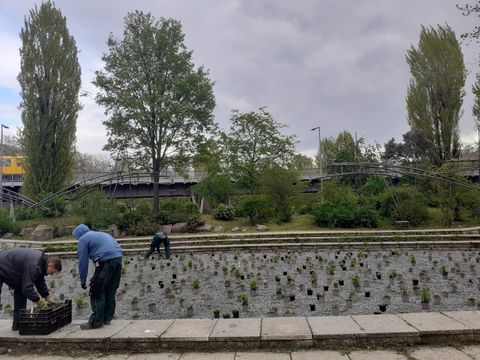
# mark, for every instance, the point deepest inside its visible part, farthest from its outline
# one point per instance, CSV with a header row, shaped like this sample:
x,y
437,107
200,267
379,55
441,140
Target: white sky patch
x,y
9,60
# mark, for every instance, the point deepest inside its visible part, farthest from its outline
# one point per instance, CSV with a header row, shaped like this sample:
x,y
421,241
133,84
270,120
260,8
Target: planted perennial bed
x,y
303,283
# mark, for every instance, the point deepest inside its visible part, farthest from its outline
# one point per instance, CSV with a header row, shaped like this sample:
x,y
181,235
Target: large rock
x,y
42,233
179,227
218,229
114,230
236,229
204,228
262,228
26,231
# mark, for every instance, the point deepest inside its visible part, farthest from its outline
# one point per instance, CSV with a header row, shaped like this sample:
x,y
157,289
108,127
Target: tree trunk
x,y
156,189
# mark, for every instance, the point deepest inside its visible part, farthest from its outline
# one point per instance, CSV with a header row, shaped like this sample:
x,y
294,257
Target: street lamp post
x,y
1,162
320,157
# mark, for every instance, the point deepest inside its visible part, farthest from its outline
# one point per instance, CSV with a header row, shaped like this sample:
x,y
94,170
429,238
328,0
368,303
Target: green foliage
x,y
50,82
256,208
244,298
25,213
279,186
254,143
216,188
224,212
404,203
193,222
6,223
336,193
435,93
425,295
331,215
98,209
159,105
172,212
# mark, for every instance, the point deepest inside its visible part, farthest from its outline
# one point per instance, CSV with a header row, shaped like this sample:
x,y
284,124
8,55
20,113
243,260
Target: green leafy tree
x,y
301,162
476,101
255,142
50,82
467,10
159,105
279,185
435,93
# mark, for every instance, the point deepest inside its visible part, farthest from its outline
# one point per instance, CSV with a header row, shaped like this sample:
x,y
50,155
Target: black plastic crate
x,y
45,321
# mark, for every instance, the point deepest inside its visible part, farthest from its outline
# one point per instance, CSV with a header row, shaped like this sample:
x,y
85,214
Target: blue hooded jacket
x,y
95,245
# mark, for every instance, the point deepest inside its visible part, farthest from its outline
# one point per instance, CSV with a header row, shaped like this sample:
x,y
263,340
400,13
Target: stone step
x,y
335,332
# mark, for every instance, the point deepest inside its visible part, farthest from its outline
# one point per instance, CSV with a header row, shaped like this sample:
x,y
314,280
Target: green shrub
x,y
6,223
331,215
172,212
224,212
257,209
193,221
24,213
404,204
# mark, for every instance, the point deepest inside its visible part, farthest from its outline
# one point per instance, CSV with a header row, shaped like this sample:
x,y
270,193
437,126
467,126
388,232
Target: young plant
x,y
425,295
444,270
196,283
244,298
253,285
356,280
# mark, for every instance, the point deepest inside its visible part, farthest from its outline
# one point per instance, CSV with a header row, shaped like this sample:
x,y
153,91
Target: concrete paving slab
x,y
104,357
187,330
384,326
161,356
262,356
285,328
473,351
236,330
434,323
469,318
376,355
334,327
442,353
148,330
318,355
95,335
208,356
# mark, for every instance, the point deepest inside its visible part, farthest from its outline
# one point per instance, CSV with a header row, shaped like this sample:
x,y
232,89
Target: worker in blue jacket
x,y
106,253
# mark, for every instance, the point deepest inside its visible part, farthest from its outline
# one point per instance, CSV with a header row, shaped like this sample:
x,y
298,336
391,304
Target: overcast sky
x,y
338,64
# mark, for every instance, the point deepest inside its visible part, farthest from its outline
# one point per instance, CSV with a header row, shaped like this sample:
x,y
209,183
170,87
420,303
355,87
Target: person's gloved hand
x,y
41,304
84,285
50,298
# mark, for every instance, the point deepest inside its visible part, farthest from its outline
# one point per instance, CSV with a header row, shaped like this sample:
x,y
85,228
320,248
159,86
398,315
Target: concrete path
x,y
286,333
416,353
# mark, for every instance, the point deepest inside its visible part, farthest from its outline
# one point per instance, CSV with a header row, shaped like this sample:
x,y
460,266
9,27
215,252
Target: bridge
x,y
171,184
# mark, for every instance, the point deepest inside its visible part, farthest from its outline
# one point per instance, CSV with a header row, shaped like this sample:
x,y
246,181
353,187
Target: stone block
x,y
234,330
204,228
209,356
376,355
262,356
470,319
167,229
155,356
340,328
473,351
189,330
286,328
437,328
387,329
318,355
95,335
142,331
42,233
179,227
443,353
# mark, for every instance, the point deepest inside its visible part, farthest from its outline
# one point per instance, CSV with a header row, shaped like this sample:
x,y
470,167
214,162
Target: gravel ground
x,y
141,279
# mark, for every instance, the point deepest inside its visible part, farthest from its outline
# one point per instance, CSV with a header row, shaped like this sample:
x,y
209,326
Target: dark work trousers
x,y
155,245
19,303
103,288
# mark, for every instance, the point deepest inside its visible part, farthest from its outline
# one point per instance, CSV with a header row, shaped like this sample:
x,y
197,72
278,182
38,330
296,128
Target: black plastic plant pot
x,y
242,277
341,282
285,273
174,276
153,267
304,267
309,292
325,288
415,282
367,294
292,297
172,282
160,282
264,256
216,314
312,307
344,268
168,264
161,286
382,307
361,264
379,276
236,314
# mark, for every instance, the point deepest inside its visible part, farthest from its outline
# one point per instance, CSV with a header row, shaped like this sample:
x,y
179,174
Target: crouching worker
x,y
24,270
105,252
159,238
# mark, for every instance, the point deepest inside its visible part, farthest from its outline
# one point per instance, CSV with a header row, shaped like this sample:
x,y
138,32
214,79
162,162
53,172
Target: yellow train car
x,y
12,165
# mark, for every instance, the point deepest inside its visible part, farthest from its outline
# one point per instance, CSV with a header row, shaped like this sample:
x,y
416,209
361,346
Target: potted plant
x,y
436,299
425,297
216,313
404,293
236,313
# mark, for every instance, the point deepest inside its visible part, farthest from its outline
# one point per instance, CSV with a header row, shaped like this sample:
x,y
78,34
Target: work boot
x,y
15,327
88,326
107,323
3,350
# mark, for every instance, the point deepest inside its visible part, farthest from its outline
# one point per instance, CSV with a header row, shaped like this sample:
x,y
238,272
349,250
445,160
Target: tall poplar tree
x,y
435,93
50,83
159,104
